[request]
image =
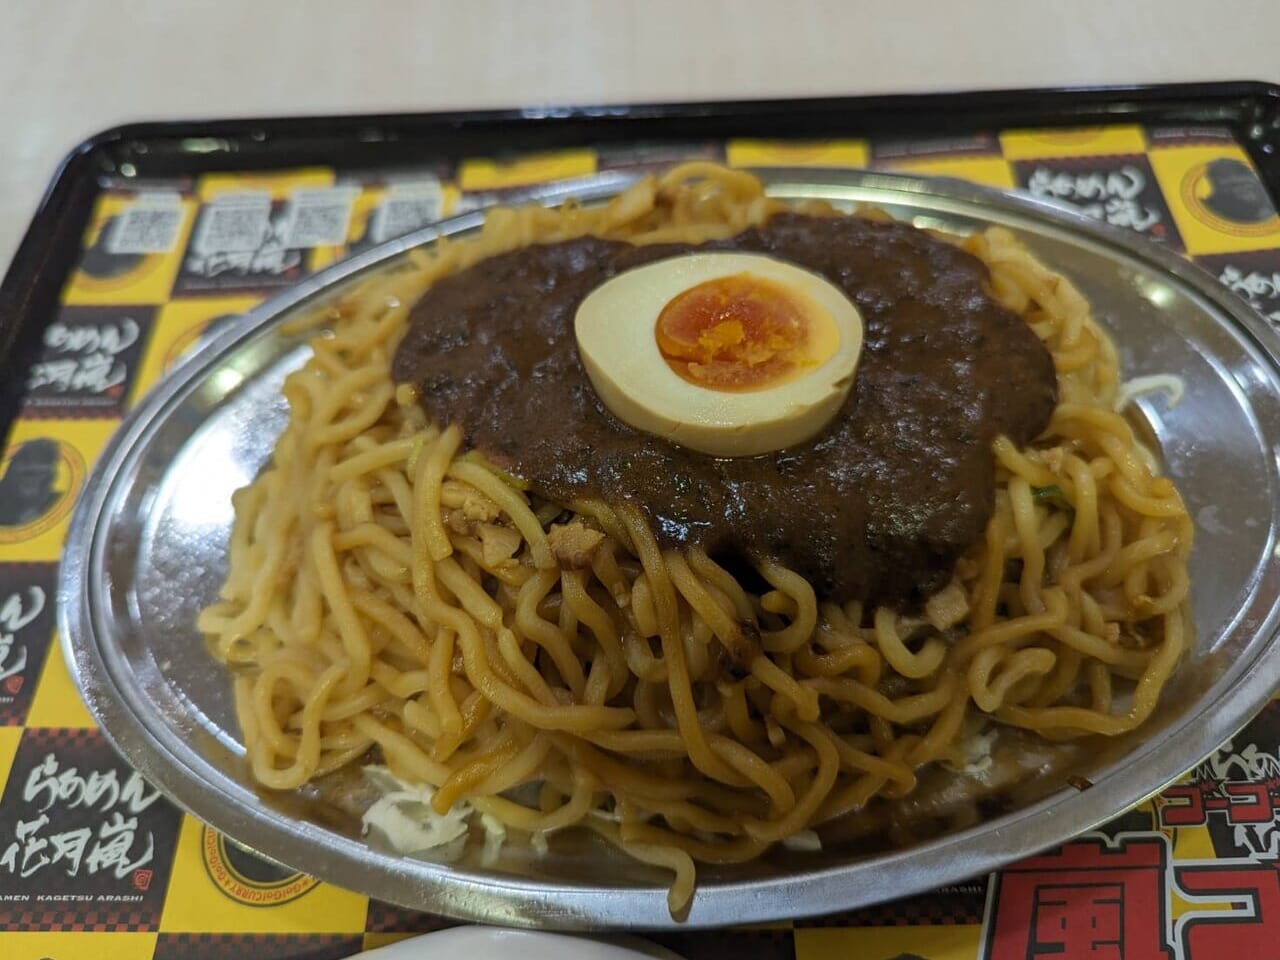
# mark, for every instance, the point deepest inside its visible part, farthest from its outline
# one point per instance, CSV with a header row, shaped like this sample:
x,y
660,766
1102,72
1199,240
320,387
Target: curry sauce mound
x,y
878,507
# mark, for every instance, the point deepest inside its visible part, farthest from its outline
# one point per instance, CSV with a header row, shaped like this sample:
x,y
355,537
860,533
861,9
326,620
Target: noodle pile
x,y
390,591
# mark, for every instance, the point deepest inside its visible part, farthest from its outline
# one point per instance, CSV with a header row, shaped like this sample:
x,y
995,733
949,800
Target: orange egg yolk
x,y
742,332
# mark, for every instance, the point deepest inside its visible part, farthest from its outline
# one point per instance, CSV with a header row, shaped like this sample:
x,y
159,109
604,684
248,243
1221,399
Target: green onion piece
x,y
1052,496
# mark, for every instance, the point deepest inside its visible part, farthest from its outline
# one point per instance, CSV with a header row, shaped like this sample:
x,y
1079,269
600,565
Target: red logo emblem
x,y
13,684
1086,902
142,879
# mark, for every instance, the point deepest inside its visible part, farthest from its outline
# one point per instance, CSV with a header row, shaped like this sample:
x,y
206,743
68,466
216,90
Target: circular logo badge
x,y
247,878
1226,195
39,481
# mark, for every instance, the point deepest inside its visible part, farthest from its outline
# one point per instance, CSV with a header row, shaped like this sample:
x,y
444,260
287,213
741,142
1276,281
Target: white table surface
x,y
69,68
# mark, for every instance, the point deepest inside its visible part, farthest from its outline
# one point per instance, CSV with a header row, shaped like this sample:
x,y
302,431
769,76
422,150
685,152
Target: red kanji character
x,y
1250,803
1183,806
1254,933
1087,901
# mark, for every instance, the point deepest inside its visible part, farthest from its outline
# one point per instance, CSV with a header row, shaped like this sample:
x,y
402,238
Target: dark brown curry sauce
x,y
878,507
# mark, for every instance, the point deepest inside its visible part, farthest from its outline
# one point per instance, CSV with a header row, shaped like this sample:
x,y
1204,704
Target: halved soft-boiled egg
x,y
730,354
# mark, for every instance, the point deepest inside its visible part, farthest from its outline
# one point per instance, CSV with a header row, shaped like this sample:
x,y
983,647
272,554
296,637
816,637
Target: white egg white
x,y
615,326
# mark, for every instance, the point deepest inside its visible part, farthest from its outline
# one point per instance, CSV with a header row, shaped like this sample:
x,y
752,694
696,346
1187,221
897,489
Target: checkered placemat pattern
x,y
95,864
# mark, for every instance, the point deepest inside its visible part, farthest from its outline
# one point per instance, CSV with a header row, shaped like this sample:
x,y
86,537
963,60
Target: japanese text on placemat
x,y
114,845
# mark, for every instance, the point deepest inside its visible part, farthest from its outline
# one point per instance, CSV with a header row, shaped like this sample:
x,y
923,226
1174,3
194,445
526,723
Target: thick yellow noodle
x,y
389,590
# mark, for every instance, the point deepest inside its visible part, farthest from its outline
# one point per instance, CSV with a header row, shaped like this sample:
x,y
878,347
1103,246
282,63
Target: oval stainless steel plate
x,y
147,550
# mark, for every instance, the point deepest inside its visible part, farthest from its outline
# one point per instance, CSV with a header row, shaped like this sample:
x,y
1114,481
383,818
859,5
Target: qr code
x,y
150,225
407,207
234,223
319,218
